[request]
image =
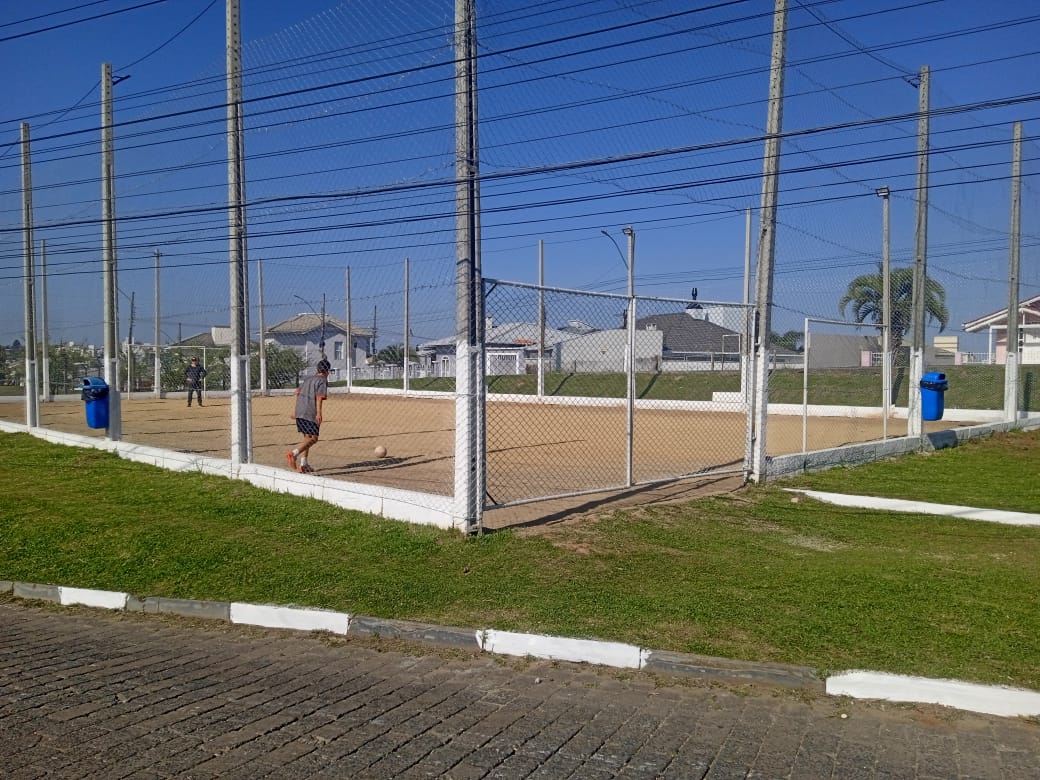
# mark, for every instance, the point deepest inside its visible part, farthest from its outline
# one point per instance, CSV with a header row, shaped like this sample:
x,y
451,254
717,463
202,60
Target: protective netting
x,y
593,115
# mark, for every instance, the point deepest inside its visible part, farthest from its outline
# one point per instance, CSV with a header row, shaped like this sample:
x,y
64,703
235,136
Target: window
x,y
337,350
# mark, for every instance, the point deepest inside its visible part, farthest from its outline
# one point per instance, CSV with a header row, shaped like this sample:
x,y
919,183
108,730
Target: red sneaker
x,y
292,461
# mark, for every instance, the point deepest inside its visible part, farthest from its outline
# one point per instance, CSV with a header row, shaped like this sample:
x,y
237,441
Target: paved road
x,y
90,694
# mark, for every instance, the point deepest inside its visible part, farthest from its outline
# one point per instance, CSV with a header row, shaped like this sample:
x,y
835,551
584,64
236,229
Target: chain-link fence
x,y
351,214
580,402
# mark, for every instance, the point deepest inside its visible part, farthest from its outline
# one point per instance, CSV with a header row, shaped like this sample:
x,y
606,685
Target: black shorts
x,y
306,427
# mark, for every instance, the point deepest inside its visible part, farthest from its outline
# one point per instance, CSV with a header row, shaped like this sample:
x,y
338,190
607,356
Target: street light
x,y
630,349
630,262
618,248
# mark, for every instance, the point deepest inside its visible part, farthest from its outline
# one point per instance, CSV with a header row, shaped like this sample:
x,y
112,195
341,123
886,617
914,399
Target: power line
x,y
576,165
28,19
75,22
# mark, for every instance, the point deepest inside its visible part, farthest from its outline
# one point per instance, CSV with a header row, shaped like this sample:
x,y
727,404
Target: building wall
x,y
604,351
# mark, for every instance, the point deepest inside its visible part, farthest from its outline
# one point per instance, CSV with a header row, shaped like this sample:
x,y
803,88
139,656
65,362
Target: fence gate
x,y
564,421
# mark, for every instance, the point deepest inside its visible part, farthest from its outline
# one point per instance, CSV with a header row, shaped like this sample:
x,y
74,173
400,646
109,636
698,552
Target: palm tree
x,y
866,294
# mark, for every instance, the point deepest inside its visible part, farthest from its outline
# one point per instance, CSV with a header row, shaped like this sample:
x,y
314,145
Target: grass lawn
x,y
758,574
1001,472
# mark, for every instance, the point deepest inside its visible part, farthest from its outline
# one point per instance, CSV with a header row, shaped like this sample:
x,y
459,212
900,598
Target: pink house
x,y
995,324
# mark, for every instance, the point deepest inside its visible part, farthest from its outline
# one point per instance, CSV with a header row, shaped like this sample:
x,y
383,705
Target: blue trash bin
x,y
933,385
95,398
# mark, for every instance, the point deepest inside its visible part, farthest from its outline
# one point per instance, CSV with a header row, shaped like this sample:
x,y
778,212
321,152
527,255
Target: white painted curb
x,y
988,699
289,617
103,599
563,649
923,508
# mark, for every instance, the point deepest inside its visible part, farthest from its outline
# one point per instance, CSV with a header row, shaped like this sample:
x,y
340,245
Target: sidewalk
x,y
86,693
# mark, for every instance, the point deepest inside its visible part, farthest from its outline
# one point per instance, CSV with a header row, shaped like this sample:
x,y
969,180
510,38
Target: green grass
x,y
758,574
1000,472
971,387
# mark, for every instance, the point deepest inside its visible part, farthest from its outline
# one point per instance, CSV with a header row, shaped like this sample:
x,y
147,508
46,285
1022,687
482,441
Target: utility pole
x,y
886,311
375,317
130,349
350,339
46,395
541,318
914,423
469,368
767,239
157,365
1011,365
241,446
108,240
32,395
747,371
630,380
263,340
406,344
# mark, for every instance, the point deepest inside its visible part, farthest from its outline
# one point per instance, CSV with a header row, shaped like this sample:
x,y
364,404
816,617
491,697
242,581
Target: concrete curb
x,y
988,699
553,648
923,508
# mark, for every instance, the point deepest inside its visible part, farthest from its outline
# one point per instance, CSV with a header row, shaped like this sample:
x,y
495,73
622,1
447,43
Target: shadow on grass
x,y
616,498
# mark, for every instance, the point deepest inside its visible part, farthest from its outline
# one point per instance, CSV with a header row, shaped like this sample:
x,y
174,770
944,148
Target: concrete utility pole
x,y
108,241
350,339
46,395
241,445
630,369
914,423
747,353
767,239
541,318
260,311
133,314
157,365
886,311
130,348
32,395
469,367
406,339
1011,366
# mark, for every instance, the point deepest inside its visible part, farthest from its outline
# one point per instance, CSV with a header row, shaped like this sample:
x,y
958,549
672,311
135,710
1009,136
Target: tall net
x,y
595,115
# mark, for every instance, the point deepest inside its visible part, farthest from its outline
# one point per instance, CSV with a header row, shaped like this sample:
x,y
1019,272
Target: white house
x,y
996,325
304,333
508,348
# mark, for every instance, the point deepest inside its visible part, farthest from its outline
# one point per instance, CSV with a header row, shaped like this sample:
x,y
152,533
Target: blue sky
x,y
355,174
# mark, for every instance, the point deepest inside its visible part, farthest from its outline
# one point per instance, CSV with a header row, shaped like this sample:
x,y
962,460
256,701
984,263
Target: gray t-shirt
x,y
307,395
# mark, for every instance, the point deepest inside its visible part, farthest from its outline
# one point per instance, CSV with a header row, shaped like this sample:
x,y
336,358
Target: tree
x,y
791,340
284,366
393,355
866,293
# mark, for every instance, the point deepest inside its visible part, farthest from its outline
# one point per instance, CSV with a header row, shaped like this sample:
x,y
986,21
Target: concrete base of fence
x,y
392,503
857,454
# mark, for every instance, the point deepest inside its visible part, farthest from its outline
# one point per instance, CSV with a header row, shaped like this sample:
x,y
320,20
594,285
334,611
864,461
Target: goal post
x,y
839,351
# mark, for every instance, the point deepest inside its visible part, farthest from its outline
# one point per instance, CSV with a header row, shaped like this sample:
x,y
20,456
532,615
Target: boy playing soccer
x,y
309,397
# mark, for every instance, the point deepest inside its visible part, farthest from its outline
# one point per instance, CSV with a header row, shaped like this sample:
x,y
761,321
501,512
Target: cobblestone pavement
x,y
90,694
